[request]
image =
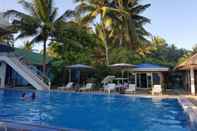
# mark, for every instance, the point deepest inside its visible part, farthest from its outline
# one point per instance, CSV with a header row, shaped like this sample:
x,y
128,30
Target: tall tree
x,y
38,22
121,19
92,9
130,23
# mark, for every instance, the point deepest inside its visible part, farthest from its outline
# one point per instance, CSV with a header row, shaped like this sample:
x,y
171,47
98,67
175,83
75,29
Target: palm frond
x,y
27,6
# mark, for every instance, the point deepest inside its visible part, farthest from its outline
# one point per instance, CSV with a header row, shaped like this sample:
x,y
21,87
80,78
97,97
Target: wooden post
x,y
192,81
147,80
161,78
151,79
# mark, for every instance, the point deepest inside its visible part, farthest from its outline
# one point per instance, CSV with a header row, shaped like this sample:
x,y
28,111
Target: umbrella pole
x,y
122,76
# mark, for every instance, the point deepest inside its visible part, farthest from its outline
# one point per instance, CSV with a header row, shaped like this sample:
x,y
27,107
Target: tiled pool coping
x,y
12,126
191,111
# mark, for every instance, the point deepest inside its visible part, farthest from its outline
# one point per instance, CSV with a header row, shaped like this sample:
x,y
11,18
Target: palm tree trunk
x,y
44,57
121,39
106,53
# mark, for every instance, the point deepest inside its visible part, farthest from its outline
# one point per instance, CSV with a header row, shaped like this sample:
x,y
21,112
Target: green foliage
x,y
58,69
101,72
28,46
124,55
121,22
164,54
73,45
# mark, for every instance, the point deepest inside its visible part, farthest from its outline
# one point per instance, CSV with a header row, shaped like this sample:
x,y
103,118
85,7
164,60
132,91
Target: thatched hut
x,y
190,68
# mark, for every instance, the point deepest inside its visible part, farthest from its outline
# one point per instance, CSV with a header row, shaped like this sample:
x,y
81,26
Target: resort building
x,y
147,75
143,76
188,69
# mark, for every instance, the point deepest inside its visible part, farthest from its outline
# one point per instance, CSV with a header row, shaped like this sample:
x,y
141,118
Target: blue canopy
x,y
79,66
150,67
147,65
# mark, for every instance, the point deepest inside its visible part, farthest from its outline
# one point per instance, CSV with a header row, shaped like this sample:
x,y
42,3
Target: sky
x,y
174,20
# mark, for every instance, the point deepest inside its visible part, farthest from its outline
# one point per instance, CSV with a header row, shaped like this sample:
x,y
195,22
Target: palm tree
x,y
39,22
101,34
28,46
120,19
130,23
92,9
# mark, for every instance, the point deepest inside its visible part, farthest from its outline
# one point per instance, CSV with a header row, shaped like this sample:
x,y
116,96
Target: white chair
x,y
88,87
67,87
156,90
131,89
109,87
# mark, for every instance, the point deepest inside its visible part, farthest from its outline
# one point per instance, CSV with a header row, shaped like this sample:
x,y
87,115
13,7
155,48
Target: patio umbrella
x,y
122,67
78,67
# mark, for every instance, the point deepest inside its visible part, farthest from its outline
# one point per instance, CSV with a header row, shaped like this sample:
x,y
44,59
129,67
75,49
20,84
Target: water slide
x,y
33,77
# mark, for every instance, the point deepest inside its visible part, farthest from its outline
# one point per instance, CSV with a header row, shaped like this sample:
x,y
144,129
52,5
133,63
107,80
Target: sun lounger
x,y
88,87
67,87
110,87
157,90
131,89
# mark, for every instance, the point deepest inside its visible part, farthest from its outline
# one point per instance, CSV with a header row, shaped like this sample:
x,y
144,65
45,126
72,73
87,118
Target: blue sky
x,y
174,20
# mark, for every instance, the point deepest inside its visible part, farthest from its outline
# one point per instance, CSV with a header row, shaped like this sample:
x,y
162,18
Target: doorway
x,y
143,80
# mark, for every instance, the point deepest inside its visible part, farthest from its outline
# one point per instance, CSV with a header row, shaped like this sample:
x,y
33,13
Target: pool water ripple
x,y
94,112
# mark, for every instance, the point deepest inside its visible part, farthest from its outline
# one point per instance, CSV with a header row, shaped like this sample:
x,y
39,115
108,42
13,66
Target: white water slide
x,y
37,80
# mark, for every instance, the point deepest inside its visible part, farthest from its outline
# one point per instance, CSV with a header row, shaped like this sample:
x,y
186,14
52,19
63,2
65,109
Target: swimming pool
x,y
94,112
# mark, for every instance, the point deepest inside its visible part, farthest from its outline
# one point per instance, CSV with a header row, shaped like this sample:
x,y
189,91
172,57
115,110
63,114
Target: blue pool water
x,y
94,112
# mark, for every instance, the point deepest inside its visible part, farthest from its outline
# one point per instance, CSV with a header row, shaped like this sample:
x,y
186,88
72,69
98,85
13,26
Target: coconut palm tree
x,y
38,23
92,9
102,34
122,18
130,23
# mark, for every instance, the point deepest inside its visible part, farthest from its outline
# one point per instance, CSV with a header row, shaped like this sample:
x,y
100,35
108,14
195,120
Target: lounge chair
x,y
131,89
67,87
109,87
157,90
88,87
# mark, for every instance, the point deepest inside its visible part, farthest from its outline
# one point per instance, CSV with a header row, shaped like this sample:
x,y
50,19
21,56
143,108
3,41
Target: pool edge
x,y
191,111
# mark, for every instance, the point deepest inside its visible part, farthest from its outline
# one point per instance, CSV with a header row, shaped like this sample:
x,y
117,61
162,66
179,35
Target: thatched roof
x,y
191,62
